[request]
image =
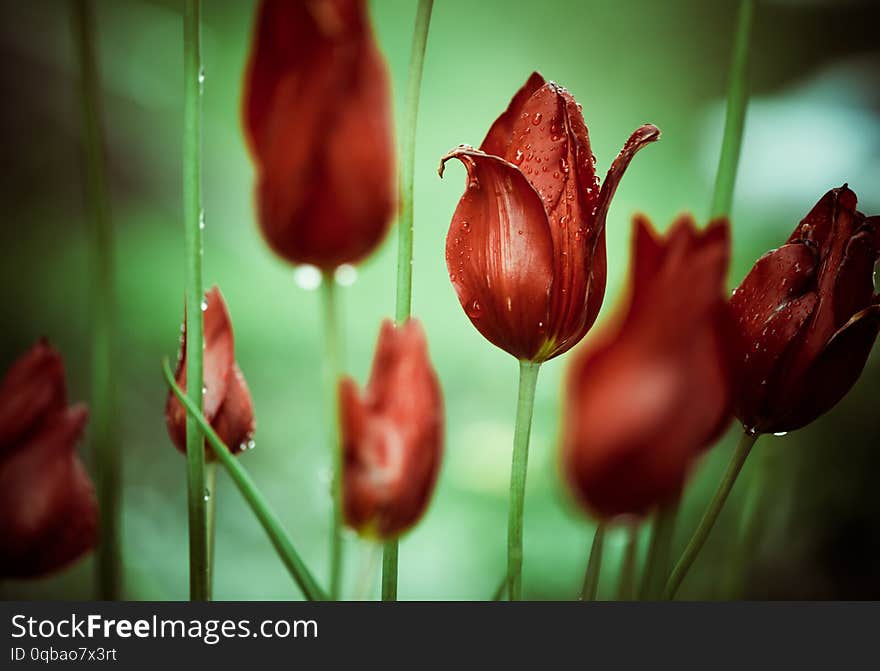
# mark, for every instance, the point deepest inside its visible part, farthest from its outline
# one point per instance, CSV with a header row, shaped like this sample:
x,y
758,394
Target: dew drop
x,y
207,494
204,304
465,226
518,157
307,277
536,119
781,433
474,309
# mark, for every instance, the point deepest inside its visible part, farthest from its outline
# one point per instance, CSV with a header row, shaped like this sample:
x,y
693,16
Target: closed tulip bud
x,y
808,317
226,400
392,435
317,117
48,509
648,397
526,247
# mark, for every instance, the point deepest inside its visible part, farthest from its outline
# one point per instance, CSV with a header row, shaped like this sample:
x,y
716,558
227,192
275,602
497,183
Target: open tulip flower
x,y
646,398
392,435
48,510
226,403
526,247
808,317
317,116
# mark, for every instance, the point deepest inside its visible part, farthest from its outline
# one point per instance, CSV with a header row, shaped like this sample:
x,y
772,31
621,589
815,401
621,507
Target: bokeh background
x,y
813,123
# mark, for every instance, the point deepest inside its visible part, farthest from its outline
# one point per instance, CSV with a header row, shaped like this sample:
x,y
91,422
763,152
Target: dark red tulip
x,y
526,247
48,510
808,317
317,116
226,403
649,396
392,435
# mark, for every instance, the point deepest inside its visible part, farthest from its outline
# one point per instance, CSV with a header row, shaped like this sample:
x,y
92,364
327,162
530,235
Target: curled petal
x,y
640,138
33,388
499,253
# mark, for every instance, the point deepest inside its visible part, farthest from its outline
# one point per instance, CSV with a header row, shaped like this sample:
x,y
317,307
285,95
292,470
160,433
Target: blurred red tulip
x,y
526,247
808,317
226,403
392,435
646,399
317,116
48,510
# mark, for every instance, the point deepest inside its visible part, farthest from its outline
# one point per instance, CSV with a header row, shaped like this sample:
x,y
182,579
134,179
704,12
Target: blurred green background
x,y
813,123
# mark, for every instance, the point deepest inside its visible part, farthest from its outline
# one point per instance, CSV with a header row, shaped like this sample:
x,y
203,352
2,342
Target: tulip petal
x,y
41,485
499,252
235,422
500,135
835,370
33,387
640,138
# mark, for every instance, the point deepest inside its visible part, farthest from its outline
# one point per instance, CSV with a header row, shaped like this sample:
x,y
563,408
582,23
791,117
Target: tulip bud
x,y
808,317
644,400
392,435
226,400
318,122
48,509
526,247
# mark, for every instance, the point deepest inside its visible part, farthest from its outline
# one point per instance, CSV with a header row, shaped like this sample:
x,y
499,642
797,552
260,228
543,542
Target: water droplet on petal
x,y
536,119
474,309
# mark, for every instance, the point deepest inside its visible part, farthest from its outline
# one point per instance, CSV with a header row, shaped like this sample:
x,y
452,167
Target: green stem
x,y
107,457
389,570
697,541
407,162
252,495
211,513
403,306
528,378
737,97
199,573
594,565
627,583
498,594
657,563
332,368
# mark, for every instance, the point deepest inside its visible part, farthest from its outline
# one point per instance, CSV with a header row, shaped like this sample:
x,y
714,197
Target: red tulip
x,y
808,317
646,399
48,510
226,402
318,121
392,435
526,247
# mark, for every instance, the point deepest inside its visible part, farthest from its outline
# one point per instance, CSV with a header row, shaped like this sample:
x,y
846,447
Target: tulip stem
x,y
628,568
594,565
657,563
199,572
405,225
332,368
737,98
103,311
697,541
252,495
528,378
